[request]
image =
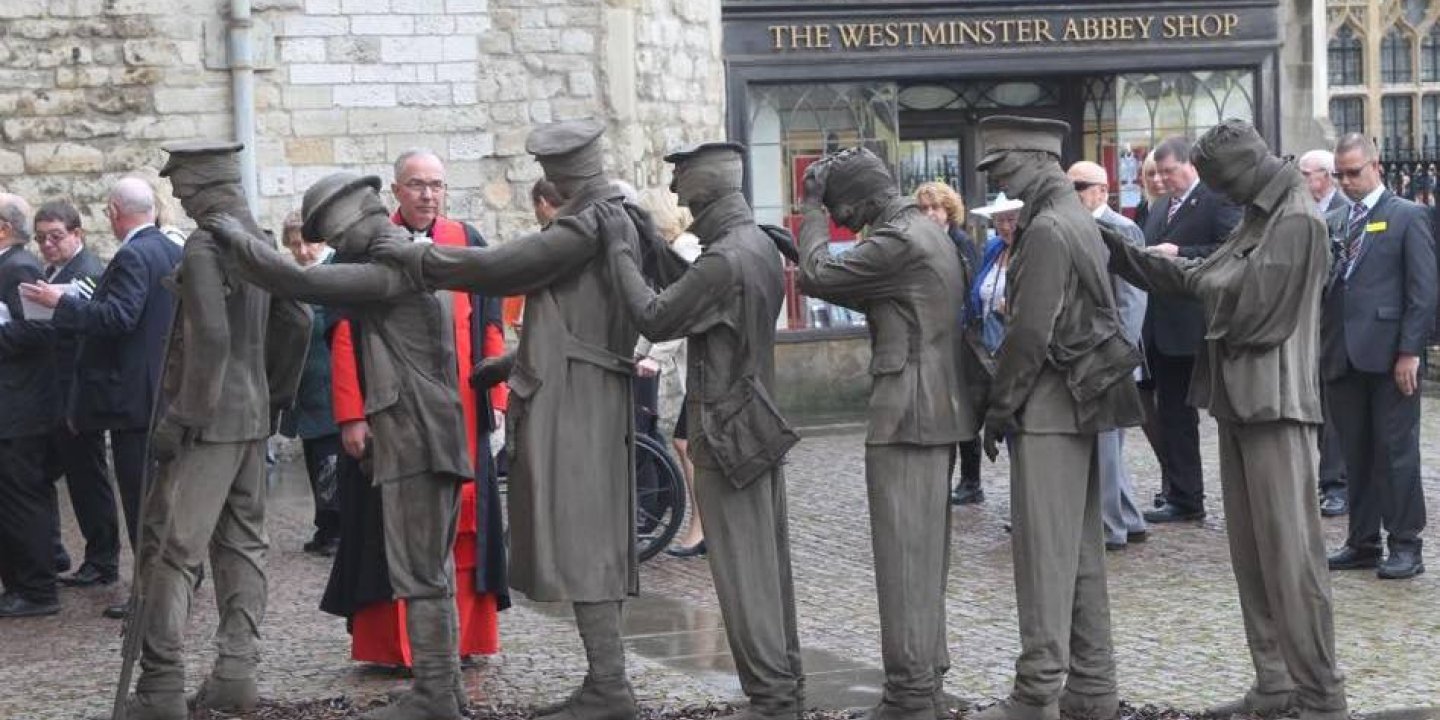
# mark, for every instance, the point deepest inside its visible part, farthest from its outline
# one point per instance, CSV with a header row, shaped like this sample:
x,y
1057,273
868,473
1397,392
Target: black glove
x,y
491,371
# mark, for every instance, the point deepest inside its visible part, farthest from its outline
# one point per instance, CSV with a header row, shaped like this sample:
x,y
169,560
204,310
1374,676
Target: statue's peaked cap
x,y
563,138
1000,134
693,151
215,157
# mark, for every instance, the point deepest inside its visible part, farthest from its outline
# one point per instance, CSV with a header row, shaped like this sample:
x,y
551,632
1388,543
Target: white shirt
x,y
1099,211
992,288
1322,205
135,230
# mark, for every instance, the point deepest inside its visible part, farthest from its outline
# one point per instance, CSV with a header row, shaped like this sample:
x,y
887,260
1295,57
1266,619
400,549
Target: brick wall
x,y
89,89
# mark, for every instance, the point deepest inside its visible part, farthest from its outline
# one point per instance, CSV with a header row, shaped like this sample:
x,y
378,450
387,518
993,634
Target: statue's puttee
x,y
907,279
419,453
1063,374
230,366
726,304
1258,375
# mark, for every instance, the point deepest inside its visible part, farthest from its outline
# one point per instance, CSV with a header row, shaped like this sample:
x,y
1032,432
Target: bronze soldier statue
x,y
231,364
726,305
1258,375
419,456
1063,375
906,277
570,422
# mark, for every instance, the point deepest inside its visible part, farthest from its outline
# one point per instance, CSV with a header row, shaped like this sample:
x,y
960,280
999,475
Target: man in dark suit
x,y
28,412
122,328
80,456
1190,222
1377,317
1317,166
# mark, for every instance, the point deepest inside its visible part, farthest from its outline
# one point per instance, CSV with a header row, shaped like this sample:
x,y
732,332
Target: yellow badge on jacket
x,y
1375,227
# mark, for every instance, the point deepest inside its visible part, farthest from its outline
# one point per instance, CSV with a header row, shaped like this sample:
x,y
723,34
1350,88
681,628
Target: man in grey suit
x,y
1123,520
1317,166
1378,313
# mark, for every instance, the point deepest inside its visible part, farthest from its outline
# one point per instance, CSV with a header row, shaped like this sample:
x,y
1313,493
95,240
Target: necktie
x,y
1175,203
50,272
1354,231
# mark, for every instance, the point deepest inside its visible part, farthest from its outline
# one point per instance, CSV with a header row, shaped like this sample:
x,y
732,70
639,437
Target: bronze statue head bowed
x,y
707,172
1234,160
858,185
205,176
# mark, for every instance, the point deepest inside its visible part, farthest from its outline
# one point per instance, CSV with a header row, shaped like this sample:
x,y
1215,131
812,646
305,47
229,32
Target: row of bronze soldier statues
x,y
599,275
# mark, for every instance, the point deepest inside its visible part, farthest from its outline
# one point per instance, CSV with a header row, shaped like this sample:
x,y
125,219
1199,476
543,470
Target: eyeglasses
x,y
419,186
1082,186
53,237
1351,173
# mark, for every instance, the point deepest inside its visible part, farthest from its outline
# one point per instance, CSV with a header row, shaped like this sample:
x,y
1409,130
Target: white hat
x,y
1001,204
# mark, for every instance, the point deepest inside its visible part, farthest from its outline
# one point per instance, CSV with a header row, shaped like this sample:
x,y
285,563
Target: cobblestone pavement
x,y
1177,626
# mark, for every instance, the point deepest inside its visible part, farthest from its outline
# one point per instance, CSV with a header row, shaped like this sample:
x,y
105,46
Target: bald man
x,y
1122,518
122,329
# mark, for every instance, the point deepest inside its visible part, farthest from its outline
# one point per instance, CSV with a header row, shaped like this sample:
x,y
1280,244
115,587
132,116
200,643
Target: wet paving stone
x,y
1178,637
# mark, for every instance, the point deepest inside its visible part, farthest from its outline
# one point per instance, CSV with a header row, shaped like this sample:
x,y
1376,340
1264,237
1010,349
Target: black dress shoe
x,y
1137,536
1402,564
1349,558
1333,505
13,605
118,611
89,575
62,564
964,494
1170,513
324,547
695,550
1112,546
1158,501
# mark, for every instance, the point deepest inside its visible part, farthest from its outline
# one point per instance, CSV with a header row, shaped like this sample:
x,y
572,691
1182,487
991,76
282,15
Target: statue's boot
x,y
605,694
1078,706
156,706
1011,709
1255,703
942,702
231,696
430,623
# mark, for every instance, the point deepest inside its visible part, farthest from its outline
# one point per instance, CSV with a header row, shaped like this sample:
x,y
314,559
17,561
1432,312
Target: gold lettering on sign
x,y
1002,31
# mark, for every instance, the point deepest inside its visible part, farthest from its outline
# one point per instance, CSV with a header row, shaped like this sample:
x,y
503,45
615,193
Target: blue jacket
x,y
312,415
123,328
976,304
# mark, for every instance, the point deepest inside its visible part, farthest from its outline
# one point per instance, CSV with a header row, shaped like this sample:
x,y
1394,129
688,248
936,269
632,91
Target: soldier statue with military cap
x,y
419,454
230,366
1063,375
570,421
726,304
906,277
1257,373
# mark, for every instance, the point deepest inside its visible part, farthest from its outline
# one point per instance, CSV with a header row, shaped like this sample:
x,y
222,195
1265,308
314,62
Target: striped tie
x,y
1174,208
1354,232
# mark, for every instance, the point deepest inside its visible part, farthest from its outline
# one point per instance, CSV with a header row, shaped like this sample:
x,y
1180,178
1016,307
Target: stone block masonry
x,y
89,90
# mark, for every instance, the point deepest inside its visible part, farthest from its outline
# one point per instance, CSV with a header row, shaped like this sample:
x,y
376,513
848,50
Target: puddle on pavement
x,y
691,640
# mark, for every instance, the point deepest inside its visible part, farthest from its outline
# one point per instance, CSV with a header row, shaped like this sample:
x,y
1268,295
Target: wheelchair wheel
x,y
659,497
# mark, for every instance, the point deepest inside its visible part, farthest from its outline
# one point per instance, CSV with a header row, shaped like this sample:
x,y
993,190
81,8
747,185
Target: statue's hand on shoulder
x,y
615,226
398,254
225,228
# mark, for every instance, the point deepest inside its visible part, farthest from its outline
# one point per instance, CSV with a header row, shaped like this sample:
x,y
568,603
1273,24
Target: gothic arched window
x,y
1346,58
1396,51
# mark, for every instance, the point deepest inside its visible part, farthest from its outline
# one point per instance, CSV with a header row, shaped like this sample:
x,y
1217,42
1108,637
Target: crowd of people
x,y
1071,322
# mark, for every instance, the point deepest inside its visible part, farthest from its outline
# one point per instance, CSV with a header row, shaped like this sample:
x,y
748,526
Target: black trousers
x,y
322,458
1379,430
27,519
1179,430
1332,454
80,457
128,447
969,458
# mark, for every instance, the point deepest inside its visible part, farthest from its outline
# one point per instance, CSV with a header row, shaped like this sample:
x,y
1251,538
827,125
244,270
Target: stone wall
x,y
89,89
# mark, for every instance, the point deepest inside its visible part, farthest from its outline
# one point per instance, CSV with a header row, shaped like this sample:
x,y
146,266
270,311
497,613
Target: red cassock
x,y
377,631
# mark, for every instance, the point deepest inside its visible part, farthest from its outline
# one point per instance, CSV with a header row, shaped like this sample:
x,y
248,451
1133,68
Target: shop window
x,y
1347,114
1346,58
1395,58
1397,131
1430,126
792,126
1430,55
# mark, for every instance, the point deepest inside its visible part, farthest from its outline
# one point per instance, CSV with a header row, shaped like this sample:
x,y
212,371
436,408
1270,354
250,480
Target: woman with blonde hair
x,y
667,360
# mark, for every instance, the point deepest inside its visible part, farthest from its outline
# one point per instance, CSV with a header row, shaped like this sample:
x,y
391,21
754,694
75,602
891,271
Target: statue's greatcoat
x,y
571,491
726,304
1257,374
